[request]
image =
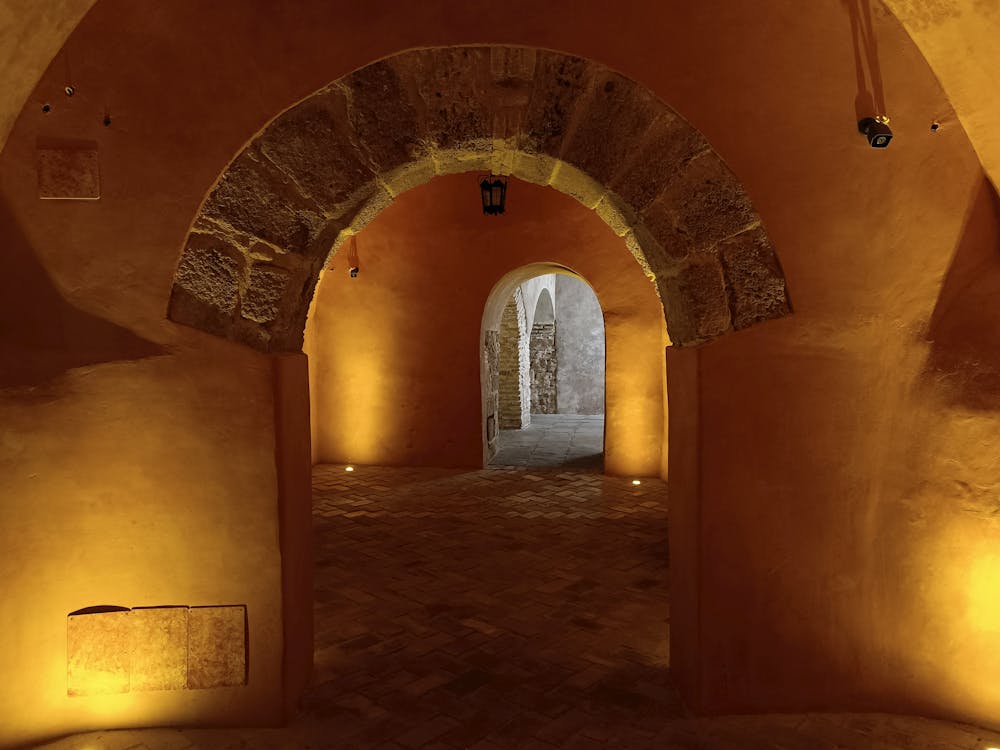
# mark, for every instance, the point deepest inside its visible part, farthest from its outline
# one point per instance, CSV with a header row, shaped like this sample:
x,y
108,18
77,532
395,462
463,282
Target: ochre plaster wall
x,y
833,484
137,483
395,352
31,34
875,565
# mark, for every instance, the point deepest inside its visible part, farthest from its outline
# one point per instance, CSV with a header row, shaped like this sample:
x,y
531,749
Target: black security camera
x,y
876,130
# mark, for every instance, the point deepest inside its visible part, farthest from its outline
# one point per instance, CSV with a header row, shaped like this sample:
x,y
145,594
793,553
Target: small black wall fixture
x,y
876,130
494,193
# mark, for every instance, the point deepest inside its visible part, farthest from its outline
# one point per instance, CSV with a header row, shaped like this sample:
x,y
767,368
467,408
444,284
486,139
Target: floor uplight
x,y
348,468
636,482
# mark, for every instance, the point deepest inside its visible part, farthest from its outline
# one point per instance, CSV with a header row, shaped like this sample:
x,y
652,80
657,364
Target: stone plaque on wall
x,y
68,171
117,650
98,652
159,648
216,647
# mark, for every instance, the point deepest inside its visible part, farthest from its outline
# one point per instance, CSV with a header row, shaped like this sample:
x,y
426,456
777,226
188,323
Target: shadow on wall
x,y
42,335
870,99
965,326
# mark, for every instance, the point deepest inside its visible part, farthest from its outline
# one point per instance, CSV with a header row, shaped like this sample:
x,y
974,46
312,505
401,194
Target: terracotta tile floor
x,y
505,608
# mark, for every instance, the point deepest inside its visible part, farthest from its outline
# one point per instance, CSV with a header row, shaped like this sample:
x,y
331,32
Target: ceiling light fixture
x,y
494,192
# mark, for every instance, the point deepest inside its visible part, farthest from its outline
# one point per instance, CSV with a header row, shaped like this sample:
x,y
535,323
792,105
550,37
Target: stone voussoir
x,y
312,145
253,196
560,82
210,270
383,117
703,205
265,290
696,302
757,289
453,95
666,149
613,116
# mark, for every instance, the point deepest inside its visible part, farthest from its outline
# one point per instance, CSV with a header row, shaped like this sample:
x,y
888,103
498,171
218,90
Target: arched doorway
x,y
544,378
319,173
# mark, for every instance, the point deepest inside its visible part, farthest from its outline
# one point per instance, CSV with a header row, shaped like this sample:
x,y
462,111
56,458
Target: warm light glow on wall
x,y
366,398
984,593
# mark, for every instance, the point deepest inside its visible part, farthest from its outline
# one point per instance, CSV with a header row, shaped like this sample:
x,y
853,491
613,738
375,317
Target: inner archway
x,y
544,372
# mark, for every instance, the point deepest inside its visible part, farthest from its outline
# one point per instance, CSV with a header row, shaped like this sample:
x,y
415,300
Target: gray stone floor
x,y
555,440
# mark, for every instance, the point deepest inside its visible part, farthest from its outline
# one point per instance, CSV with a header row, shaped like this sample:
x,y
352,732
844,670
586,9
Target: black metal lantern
x,y
494,192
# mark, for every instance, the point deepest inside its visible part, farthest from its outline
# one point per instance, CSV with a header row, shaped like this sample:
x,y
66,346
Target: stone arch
x,y
321,170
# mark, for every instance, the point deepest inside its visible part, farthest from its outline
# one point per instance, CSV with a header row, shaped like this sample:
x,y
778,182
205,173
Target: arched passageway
x,y
837,419
320,172
547,369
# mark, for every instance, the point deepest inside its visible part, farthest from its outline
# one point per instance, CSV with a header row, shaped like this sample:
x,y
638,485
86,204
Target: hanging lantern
x,y
494,193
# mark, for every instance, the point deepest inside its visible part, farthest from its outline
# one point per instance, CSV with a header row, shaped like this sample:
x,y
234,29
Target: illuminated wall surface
x,y
834,474
155,648
395,352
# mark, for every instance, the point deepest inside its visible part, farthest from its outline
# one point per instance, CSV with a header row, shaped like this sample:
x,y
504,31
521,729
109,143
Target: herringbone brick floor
x,y
483,609
506,608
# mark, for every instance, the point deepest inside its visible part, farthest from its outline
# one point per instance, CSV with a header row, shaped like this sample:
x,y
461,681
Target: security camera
x,y
354,272
876,130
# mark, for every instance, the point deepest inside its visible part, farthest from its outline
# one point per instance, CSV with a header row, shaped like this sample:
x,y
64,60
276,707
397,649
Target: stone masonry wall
x,y
515,377
543,368
491,354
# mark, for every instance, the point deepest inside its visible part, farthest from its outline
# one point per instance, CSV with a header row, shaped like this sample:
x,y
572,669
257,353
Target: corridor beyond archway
x,y
545,381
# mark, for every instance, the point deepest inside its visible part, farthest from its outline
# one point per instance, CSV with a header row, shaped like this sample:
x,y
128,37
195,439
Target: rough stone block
x,y
210,271
756,284
265,290
310,144
534,168
453,85
560,81
512,66
383,117
159,648
216,647
695,302
703,205
98,647
667,147
643,247
616,214
68,172
568,179
255,197
459,161
613,117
